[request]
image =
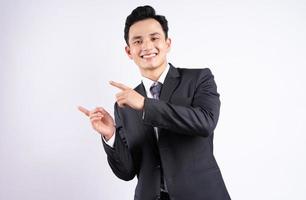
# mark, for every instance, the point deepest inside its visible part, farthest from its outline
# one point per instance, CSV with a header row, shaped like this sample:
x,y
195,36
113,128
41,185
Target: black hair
x,y
141,13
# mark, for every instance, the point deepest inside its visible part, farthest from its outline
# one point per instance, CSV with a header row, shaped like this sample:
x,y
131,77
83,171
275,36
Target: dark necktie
x,y
155,91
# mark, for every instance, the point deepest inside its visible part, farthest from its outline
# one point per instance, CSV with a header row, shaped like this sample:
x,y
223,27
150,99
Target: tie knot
x,y
155,89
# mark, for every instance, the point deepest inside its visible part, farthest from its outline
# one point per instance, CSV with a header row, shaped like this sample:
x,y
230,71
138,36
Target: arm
x,y
198,119
119,157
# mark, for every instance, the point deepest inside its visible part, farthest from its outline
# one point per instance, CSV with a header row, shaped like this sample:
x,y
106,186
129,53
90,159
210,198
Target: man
x,y
163,129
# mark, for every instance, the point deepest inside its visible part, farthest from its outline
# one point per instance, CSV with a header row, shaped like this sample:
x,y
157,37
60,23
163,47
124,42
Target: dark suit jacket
x,y
186,115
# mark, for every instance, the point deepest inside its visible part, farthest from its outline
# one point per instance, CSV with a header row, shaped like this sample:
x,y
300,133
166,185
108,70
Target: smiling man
x,y
163,129
148,46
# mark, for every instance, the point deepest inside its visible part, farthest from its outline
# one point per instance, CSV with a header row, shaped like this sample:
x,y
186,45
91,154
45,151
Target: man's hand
x,y
128,97
101,121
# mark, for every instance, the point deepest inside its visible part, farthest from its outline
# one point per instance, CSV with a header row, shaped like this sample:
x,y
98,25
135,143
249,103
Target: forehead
x,y
145,27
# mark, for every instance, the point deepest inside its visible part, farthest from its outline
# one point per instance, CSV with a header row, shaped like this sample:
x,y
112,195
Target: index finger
x,y
84,110
119,85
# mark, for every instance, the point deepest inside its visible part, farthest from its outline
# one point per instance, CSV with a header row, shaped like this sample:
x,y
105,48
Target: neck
x,y
154,73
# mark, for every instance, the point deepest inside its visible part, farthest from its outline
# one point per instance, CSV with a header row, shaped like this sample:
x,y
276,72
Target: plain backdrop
x,y
56,55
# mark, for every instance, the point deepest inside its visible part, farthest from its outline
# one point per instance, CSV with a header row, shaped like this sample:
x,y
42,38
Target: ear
x,y
168,42
128,52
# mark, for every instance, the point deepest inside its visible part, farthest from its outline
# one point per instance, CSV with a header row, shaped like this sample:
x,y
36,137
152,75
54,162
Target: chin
x,y
148,66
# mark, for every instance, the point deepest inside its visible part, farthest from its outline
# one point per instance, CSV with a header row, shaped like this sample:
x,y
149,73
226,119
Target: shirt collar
x,y
148,82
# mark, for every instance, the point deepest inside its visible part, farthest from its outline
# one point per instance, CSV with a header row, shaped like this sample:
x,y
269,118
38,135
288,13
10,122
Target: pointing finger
x,y
119,85
83,110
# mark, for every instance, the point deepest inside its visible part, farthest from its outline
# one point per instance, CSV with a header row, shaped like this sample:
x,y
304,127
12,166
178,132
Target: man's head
x,y
146,35
141,13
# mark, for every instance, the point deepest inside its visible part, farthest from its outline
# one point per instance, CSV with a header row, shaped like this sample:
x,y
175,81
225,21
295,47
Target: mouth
x,y
147,56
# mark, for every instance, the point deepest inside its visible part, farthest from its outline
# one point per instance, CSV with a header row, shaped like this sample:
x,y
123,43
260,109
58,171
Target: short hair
x,y
141,13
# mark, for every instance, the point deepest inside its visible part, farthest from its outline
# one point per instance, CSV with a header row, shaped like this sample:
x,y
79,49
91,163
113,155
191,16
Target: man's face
x,y
148,46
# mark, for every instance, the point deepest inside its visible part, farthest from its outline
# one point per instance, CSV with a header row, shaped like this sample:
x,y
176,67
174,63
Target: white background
x,y
56,55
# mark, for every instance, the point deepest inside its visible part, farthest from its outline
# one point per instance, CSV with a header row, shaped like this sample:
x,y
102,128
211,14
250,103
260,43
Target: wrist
x,y
110,135
107,137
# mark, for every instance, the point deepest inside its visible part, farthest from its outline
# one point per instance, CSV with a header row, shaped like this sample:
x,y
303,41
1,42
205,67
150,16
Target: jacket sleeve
x,y
200,118
119,157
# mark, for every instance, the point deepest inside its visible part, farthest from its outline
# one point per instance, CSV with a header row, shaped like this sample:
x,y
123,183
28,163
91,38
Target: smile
x,y
149,55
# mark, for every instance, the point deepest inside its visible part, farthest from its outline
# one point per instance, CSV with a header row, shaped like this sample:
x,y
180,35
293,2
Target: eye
x,y
154,38
136,42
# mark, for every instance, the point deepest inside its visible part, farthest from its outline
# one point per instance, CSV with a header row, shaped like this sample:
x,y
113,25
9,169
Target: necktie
x,y
155,91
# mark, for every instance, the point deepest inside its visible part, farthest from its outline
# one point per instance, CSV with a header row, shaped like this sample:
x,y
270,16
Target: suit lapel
x,y
141,90
170,83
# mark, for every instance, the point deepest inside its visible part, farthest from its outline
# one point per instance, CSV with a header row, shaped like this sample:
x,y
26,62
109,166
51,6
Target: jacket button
x,y
157,166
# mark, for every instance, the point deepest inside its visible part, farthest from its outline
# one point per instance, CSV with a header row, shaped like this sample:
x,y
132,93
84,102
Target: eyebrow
x,y
156,33
136,37
139,37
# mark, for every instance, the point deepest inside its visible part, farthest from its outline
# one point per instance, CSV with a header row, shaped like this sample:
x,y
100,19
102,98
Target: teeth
x,y
149,55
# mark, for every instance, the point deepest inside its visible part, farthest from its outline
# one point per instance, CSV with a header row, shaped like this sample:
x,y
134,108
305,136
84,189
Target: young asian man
x,y
163,129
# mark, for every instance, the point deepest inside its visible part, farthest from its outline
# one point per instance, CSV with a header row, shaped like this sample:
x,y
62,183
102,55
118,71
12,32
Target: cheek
x,y
134,52
162,47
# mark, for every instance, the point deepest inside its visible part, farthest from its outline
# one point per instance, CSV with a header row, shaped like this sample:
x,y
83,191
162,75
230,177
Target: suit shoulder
x,y
195,72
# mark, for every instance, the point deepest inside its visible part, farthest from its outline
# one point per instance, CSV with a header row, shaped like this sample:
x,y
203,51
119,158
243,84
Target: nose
x,y
147,45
